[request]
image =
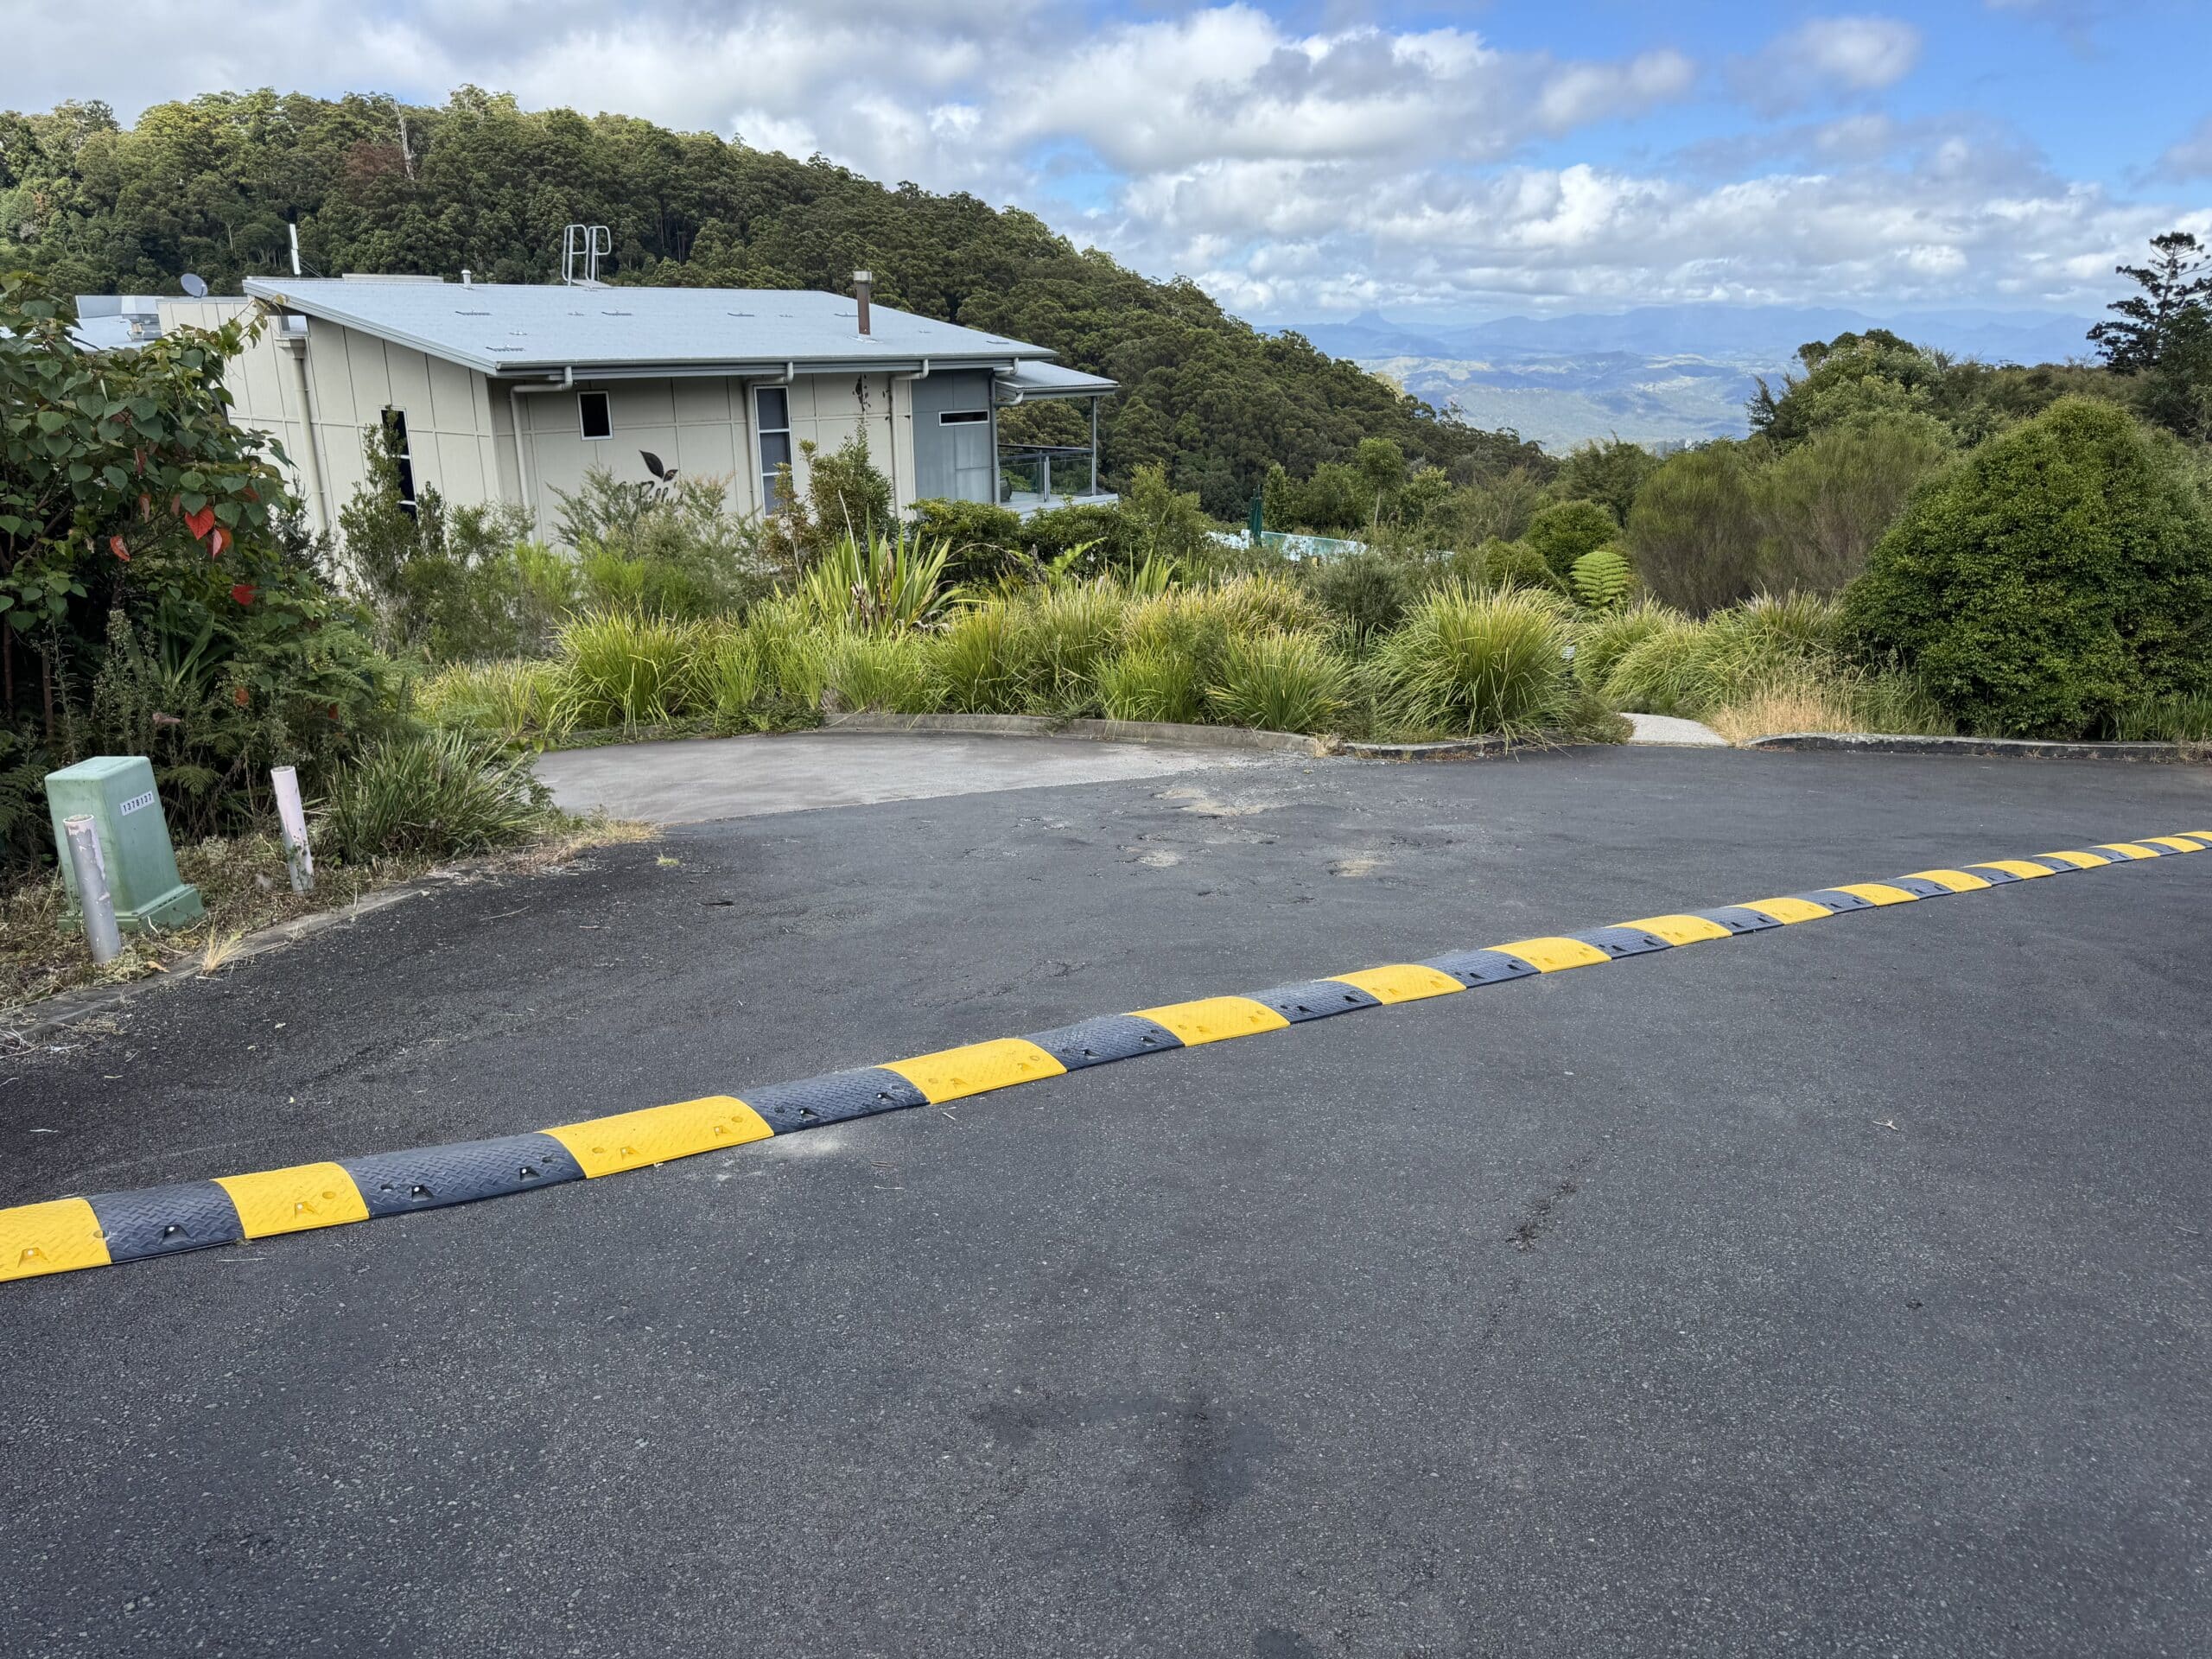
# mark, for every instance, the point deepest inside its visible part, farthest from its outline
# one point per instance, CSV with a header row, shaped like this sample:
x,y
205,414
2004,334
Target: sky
x,y
1306,162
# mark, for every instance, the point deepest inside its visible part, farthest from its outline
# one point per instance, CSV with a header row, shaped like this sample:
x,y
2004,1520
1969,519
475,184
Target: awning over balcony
x,y
1034,382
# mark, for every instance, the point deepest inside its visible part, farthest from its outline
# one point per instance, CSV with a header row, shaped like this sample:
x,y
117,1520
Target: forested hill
x,y
208,186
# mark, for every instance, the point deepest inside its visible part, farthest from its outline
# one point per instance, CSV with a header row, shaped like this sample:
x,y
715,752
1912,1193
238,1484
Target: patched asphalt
x,y
1838,1290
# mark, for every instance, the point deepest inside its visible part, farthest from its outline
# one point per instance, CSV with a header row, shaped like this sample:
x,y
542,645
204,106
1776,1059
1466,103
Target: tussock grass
x,y
1151,683
1280,682
444,794
1469,662
886,671
621,668
515,700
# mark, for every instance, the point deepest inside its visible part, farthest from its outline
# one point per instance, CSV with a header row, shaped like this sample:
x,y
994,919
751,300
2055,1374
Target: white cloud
x,y
2190,157
1824,57
1293,170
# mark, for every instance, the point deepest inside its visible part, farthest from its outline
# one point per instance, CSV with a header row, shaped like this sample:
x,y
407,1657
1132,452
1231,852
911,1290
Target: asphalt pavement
x,y
1838,1290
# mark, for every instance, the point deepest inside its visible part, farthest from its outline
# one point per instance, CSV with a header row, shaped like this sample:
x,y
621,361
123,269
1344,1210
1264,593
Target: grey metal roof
x,y
1030,381
609,332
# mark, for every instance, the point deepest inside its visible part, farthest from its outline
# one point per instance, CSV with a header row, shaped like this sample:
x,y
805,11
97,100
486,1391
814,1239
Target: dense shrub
x,y
663,550
443,794
1469,662
1680,667
1600,642
1564,531
515,700
1822,506
1694,530
1368,593
619,668
889,673
1278,682
1151,683
982,541
2059,575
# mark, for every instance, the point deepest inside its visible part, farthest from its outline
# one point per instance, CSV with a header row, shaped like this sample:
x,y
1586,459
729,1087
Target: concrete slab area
x,y
707,778
1671,729
1835,1290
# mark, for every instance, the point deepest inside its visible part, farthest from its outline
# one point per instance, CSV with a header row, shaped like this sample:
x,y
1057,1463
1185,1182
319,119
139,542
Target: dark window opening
x,y
596,419
395,432
962,416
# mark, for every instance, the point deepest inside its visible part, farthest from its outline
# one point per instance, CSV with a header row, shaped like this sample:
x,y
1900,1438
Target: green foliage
x,y
1680,667
1164,522
1368,593
1279,682
1564,531
1823,504
977,662
1468,662
1092,537
877,581
452,584
620,668
656,548
2164,720
1695,532
2163,336
2059,575
889,671
1601,642
982,541
516,701
1609,474
443,794
1602,578
1877,376
845,499
1151,683
1509,564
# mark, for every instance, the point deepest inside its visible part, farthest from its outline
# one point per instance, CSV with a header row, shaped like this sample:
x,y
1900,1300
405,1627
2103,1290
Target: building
x,y
509,393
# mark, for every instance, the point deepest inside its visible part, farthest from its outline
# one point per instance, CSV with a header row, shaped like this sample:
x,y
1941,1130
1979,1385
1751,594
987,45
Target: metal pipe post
x,y
284,781
97,905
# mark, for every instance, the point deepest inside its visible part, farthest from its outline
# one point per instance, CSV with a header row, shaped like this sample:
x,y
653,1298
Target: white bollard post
x,y
101,933
297,856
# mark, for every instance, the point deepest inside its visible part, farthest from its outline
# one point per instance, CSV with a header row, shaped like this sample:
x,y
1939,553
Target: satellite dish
x,y
195,286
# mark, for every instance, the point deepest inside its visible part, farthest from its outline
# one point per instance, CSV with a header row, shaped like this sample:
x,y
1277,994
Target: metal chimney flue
x,y
863,287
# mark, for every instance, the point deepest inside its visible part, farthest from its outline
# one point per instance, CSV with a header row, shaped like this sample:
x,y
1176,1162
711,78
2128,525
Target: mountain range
x,y
1655,374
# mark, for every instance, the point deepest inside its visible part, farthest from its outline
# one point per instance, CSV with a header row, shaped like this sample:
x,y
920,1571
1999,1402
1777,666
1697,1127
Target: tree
x,y
1564,531
2059,575
2175,284
1611,472
2162,338
210,185
1822,506
1694,530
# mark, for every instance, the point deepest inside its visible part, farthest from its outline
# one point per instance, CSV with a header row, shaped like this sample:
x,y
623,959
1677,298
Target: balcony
x,y
1036,477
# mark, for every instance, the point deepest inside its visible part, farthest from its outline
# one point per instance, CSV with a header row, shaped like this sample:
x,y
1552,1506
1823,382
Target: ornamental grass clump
x,y
889,673
619,668
440,794
1467,663
516,701
1601,642
1155,682
1279,682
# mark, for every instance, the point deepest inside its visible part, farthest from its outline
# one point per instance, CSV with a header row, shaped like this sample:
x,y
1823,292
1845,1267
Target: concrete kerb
x,y
1105,731
1995,748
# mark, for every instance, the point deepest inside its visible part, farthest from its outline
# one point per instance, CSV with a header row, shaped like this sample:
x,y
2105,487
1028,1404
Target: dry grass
x,y
246,888
1804,707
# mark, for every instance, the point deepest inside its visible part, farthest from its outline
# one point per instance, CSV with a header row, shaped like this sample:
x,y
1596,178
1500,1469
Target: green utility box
x,y
116,791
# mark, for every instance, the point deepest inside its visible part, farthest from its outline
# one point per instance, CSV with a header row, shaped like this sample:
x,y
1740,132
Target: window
x,y
395,432
772,412
963,417
593,416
